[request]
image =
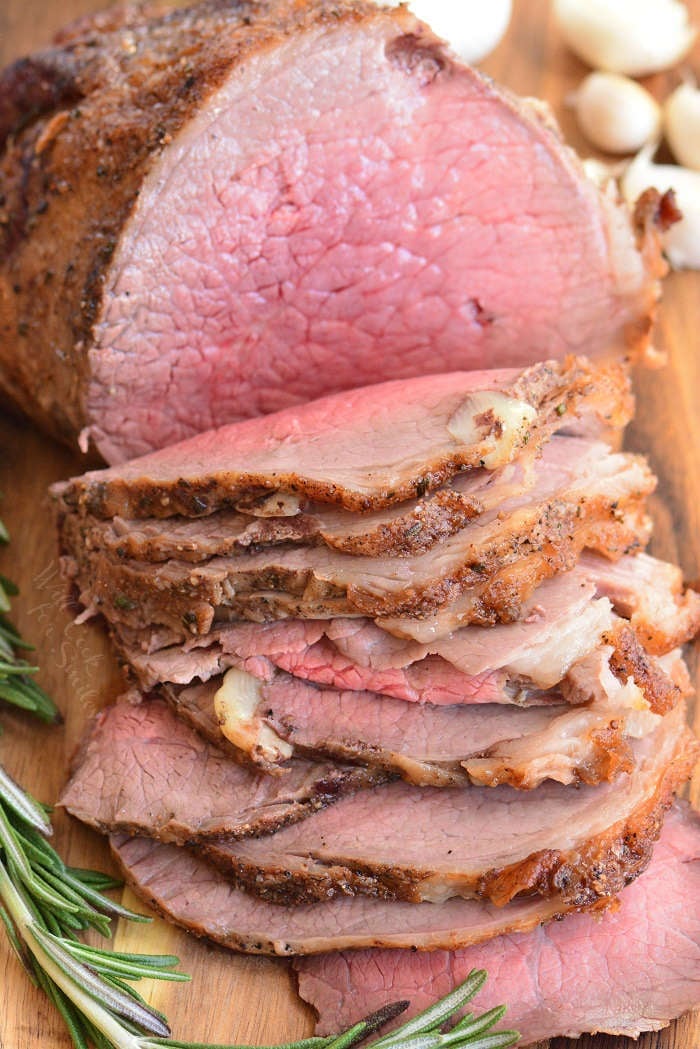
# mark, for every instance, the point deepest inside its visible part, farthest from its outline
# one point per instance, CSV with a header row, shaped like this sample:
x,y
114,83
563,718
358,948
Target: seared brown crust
x,y
629,659
81,124
595,871
419,528
541,543
561,392
606,864
656,636
610,753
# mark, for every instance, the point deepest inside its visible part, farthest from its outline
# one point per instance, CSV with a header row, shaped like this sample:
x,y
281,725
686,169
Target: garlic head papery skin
x,y
616,114
473,28
682,125
635,37
681,243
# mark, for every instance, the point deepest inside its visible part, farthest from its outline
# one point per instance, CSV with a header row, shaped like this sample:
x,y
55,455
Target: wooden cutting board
x,y
253,1000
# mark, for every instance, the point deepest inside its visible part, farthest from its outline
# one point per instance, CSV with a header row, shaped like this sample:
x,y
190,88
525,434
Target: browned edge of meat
x,y
547,540
411,531
561,392
629,659
325,933
653,214
605,865
606,752
595,871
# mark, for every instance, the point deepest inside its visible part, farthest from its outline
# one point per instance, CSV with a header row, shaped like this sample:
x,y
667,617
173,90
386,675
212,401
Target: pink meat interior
x,y
344,210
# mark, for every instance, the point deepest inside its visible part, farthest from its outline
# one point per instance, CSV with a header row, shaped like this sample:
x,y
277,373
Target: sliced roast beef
x,y
669,618
493,844
497,843
192,893
435,745
651,594
497,664
508,663
405,529
139,762
583,495
634,970
220,255
363,450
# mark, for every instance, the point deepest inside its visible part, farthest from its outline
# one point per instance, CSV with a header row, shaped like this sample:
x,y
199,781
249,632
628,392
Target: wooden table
x,y
234,998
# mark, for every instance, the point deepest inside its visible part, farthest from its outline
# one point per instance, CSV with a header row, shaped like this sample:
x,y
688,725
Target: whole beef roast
x,y
632,971
220,211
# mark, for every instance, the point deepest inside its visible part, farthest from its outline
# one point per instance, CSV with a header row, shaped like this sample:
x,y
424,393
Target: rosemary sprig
x,y
17,686
44,904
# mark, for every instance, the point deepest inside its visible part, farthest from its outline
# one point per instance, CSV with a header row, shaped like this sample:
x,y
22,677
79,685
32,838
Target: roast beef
x,y
186,249
651,594
632,971
585,844
582,845
435,745
405,529
663,612
582,496
366,449
191,892
139,762
509,663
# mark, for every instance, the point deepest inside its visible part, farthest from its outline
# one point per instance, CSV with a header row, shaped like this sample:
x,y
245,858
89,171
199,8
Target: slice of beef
x,y
663,613
582,496
187,890
633,971
560,624
220,255
584,843
431,745
651,594
485,744
366,449
139,762
407,529
589,759
509,663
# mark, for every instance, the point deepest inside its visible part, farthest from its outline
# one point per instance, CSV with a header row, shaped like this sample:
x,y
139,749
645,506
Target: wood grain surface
x,y
233,998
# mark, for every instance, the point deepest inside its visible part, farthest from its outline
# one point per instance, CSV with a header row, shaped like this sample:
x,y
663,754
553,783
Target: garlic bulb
x,y
682,241
615,113
472,27
635,37
682,125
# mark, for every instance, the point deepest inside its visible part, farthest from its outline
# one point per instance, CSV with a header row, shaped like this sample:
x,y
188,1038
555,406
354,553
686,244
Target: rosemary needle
x,y
44,904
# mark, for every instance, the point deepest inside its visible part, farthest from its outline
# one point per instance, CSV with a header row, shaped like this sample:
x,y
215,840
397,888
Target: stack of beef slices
x,y
407,677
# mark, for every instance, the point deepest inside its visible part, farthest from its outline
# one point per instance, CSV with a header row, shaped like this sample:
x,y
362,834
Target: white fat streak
x,y
236,704
277,504
497,422
559,751
548,662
